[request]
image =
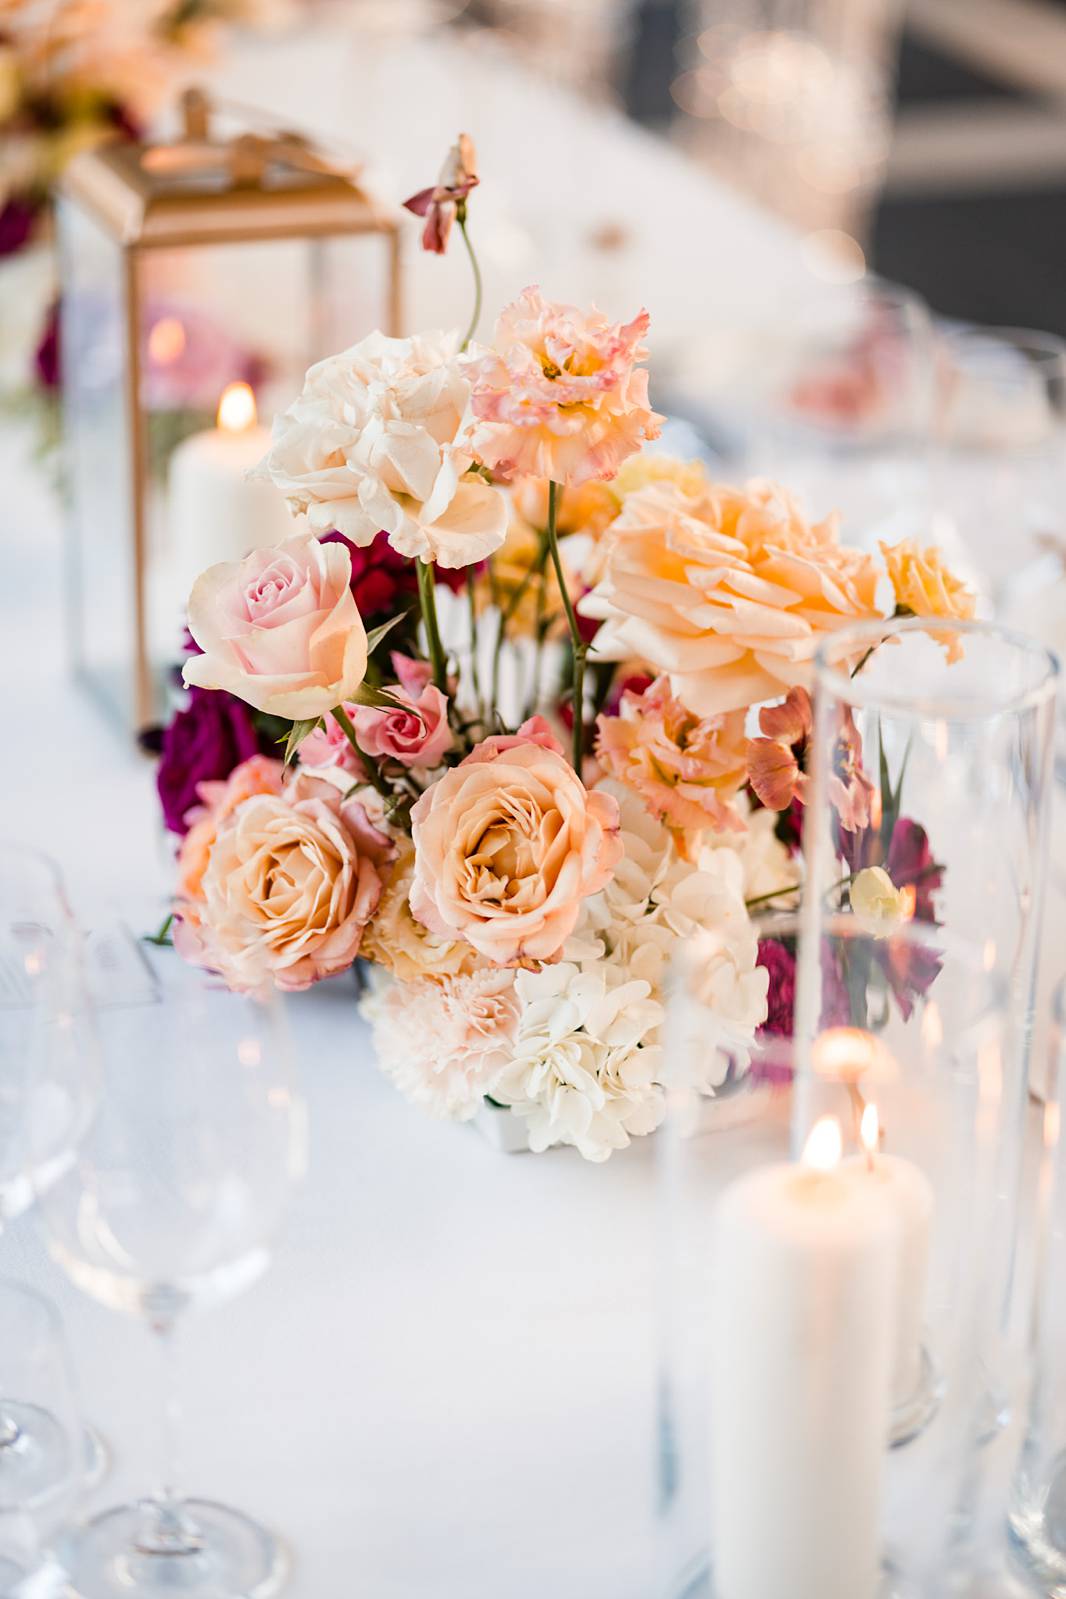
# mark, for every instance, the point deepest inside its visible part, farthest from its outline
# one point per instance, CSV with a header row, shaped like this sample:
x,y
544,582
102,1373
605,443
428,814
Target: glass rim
x,y
941,707
1042,344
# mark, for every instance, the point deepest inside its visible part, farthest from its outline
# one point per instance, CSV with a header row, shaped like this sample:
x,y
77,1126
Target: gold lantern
x,y
203,271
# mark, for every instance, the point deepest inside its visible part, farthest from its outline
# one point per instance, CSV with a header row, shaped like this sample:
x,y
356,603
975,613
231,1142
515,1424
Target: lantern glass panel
x,y
100,569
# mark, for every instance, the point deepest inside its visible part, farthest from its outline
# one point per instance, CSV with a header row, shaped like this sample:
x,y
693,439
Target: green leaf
x,y
376,634
379,699
297,733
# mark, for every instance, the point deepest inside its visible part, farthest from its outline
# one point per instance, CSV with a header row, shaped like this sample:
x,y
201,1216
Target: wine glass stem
x,y
166,1528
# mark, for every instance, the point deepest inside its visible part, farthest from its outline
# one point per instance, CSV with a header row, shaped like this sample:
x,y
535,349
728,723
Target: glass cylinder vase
x,y
825,1287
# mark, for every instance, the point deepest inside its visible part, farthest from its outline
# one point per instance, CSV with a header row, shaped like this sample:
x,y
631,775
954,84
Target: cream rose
x,y
876,900
290,885
507,845
280,629
727,591
371,445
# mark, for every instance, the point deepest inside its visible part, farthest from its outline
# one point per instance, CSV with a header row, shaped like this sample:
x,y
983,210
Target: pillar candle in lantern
x,y
216,513
803,1338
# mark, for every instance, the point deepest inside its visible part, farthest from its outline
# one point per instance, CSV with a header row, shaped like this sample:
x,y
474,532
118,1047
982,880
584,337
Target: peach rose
x,y
924,586
280,629
507,845
728,591
291,882
686,769
560,396
219,800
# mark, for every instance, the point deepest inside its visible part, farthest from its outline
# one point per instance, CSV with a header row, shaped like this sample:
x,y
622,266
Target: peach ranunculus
x,y
373,443
280,629
507,846
560,396
291,882
728,591
924,586
686,769
400,943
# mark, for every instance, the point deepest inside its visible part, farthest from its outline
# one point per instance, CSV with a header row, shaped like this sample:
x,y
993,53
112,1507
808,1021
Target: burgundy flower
x,y
46,359
383,582
17,218
780,961
439,204
910,864
204,742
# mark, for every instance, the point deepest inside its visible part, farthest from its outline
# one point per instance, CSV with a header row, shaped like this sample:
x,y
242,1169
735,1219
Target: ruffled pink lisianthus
x,y
560,396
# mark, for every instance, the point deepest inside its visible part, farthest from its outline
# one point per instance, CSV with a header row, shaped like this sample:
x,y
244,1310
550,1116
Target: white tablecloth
x,y
445,1383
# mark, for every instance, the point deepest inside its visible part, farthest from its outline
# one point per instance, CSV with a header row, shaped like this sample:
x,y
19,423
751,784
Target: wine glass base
x,y
35,1456
236,1558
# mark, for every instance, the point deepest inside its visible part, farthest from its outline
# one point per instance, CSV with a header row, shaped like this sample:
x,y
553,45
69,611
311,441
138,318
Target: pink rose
x,y
507,845
280,629
402,735
290,884
328,745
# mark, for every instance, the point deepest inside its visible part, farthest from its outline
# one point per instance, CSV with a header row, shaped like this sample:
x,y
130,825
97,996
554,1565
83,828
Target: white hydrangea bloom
x,y
587,1062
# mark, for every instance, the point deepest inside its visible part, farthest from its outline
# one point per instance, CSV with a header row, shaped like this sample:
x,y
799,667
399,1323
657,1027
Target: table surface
x,y
445,1384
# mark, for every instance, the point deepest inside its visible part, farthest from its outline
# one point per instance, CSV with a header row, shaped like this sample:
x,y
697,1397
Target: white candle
x,y
910,1194
802,1348
215,512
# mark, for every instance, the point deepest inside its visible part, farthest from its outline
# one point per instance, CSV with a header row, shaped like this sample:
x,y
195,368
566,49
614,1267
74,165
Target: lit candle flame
x,y
870,1132
825,1145
236,408
908,900
166,341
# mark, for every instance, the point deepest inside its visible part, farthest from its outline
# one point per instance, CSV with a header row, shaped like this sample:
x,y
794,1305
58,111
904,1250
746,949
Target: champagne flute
x,y
171,1202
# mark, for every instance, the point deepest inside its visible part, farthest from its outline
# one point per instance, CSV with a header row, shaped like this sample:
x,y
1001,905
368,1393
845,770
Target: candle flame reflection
x,y
825,1145
236,408
166,341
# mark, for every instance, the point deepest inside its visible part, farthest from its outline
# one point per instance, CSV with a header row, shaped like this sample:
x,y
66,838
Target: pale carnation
x,y
402,944
444,1043
560,396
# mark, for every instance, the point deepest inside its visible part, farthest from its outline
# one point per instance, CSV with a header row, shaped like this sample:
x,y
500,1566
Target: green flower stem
x,y
577,643
162,938
428,602
475,677
460,217
374,777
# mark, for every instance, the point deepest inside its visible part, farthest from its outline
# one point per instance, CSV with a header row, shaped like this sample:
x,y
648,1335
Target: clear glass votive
x,y
1036,1518
930,783
824,1271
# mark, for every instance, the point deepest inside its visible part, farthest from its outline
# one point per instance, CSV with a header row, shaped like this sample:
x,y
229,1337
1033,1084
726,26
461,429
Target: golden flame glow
x,y
1052,1124
166,341
908,899
236,408
825,1145
849,1053
870,1130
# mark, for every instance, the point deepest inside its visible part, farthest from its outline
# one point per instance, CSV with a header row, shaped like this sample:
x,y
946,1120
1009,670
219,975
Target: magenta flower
x,y
440,204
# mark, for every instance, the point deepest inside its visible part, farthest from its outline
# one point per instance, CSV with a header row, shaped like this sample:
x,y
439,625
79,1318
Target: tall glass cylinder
x,y
821,1368
1037,1512
930,787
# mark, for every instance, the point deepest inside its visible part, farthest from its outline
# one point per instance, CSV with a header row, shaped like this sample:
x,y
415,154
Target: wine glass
x,y
171,1203
845,413
40,958
42,1464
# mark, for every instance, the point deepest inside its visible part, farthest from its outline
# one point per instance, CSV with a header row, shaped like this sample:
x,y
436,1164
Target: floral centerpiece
x,y
349,784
